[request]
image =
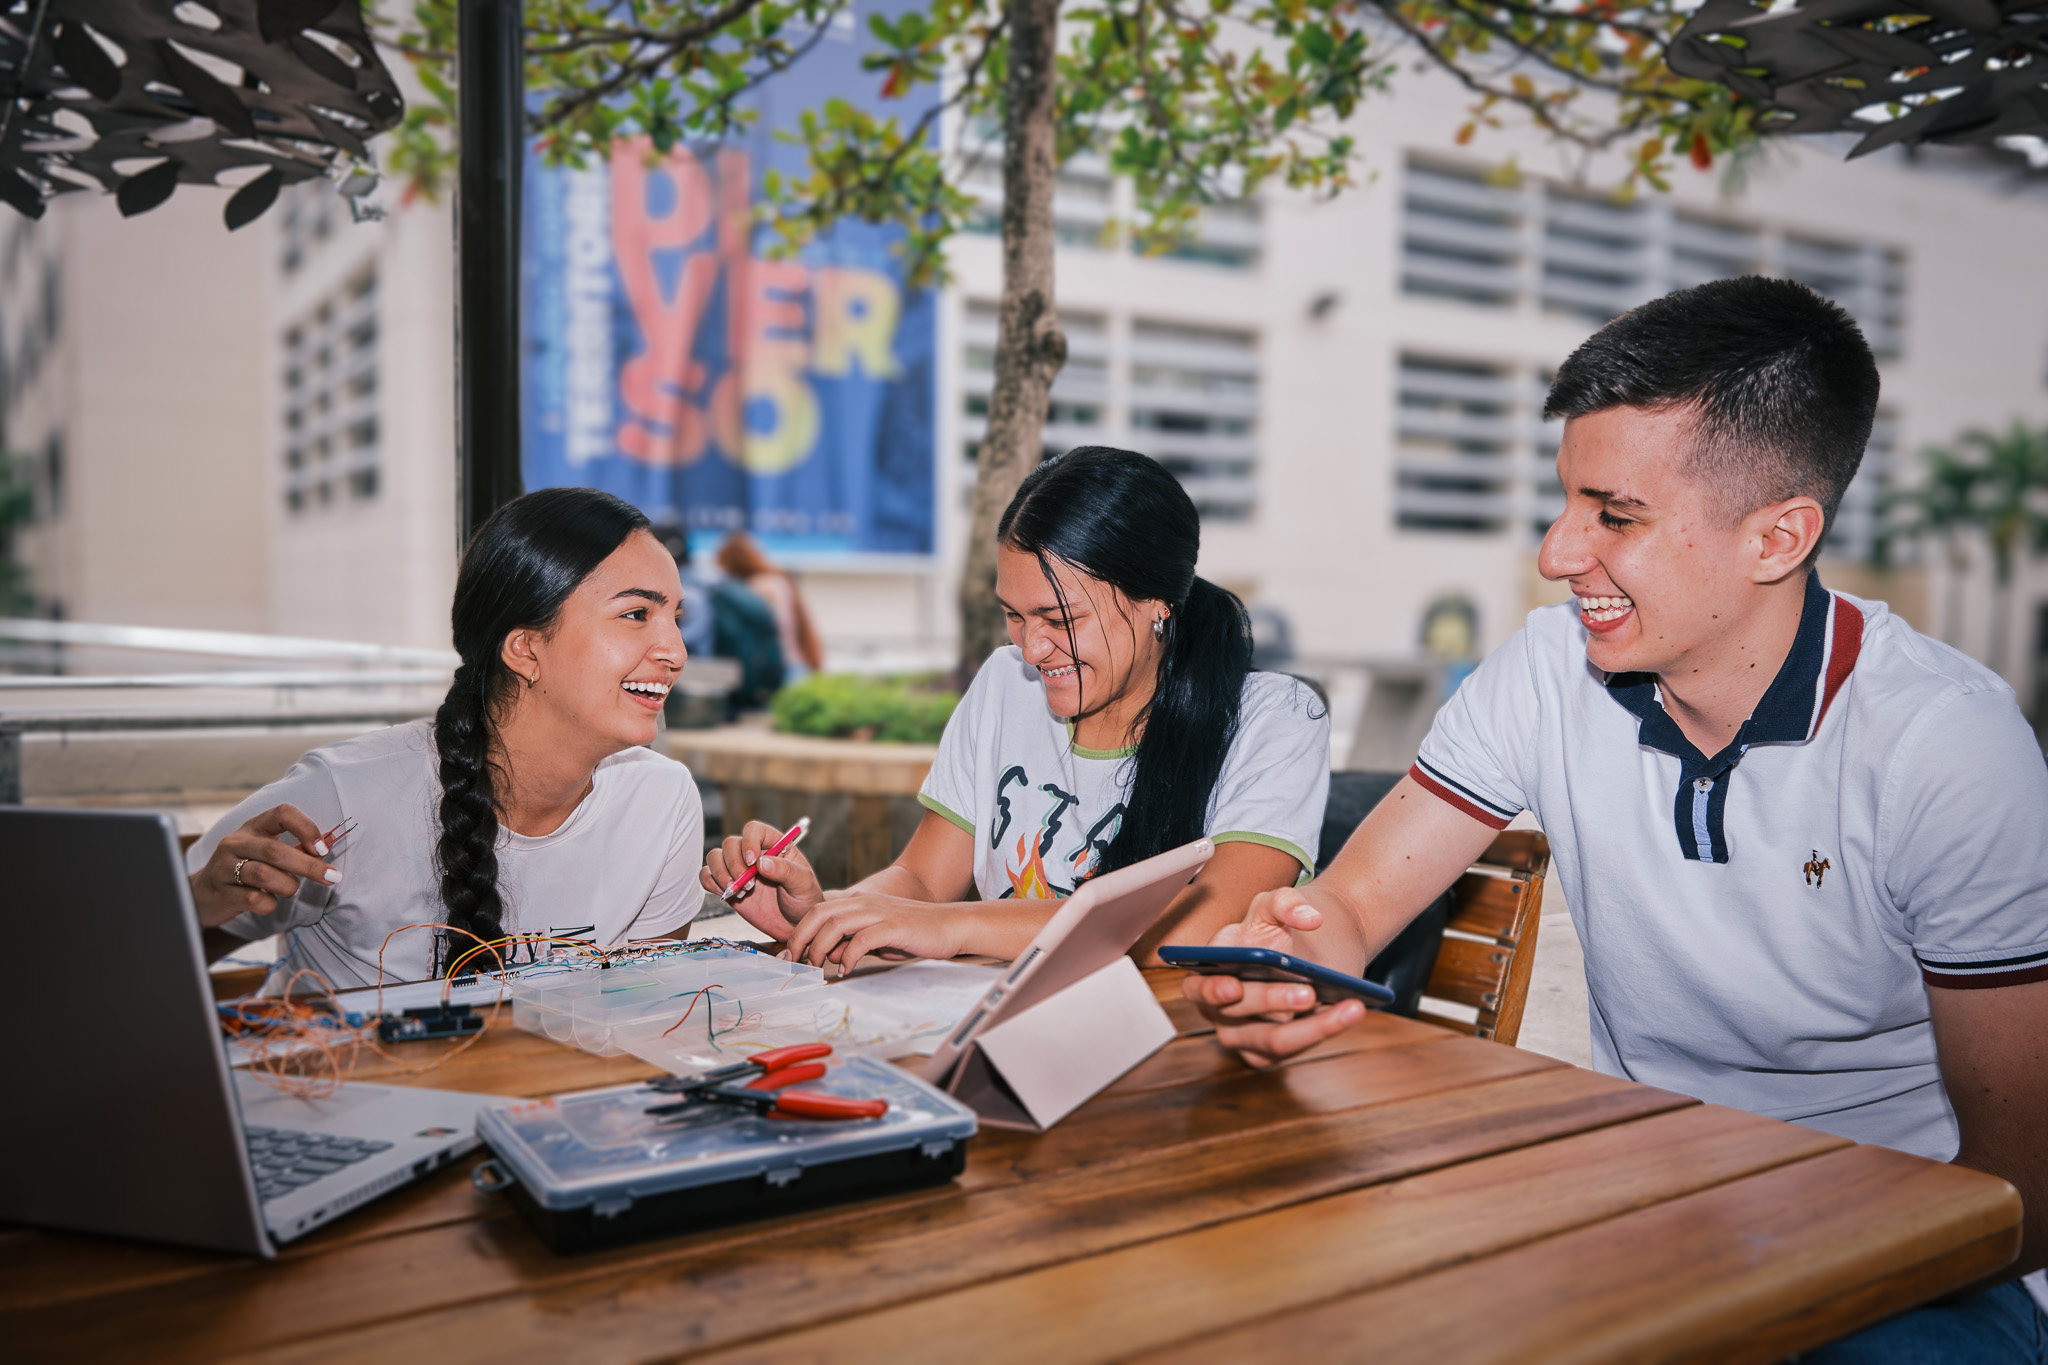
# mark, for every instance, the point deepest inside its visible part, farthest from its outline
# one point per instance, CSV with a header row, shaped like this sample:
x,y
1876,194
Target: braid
x,y
468,850
516,573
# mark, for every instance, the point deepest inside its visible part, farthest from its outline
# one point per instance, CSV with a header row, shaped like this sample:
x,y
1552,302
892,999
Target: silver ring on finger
x,y
240,863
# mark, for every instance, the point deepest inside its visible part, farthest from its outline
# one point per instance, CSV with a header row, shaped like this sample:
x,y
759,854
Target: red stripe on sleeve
x,y
1984,981
1848,643
1438,789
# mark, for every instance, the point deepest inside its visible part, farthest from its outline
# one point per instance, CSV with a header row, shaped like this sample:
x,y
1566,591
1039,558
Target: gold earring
x,y
532,682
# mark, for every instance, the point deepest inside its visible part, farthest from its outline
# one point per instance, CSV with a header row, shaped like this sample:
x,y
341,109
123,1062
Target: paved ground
x,y
1555,1022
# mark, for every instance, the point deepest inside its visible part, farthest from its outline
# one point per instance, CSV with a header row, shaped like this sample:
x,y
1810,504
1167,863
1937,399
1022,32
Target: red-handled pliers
x,y
767,1093
761,1064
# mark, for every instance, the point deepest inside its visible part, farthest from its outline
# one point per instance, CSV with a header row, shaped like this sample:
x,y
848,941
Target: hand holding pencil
x,y
763,859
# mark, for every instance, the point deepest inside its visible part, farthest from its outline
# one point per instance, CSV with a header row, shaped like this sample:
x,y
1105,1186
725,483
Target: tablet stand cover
x,y
1032,1070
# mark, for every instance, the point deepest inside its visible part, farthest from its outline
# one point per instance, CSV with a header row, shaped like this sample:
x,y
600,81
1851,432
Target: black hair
x,y
1782,383
518,570
1120,518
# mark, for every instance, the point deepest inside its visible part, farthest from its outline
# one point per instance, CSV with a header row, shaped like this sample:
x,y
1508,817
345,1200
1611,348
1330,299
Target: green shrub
x,y
851,705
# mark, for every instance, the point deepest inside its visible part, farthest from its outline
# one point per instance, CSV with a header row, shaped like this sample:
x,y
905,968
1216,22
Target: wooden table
x,y
1400,1194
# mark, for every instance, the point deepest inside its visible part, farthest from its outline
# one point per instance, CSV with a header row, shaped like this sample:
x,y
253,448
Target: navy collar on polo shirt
x,y
1790,713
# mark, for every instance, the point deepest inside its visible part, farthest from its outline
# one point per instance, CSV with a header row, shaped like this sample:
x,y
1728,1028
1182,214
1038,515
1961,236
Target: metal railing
x,y
397,665
372,682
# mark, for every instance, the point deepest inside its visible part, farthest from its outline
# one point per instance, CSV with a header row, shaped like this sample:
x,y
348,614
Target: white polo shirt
x,y
1761,927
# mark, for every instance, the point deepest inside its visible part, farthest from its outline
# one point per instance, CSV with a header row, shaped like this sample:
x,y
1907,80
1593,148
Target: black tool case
x,y
591,1169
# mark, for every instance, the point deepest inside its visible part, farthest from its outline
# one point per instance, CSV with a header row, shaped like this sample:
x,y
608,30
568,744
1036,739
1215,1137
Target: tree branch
x,y
632,72
674,39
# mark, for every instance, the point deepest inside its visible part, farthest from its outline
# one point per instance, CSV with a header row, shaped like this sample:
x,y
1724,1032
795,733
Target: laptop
x,y
126,1117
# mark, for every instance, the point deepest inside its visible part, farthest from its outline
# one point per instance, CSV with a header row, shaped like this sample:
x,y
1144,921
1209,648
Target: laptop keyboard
x,y
285,1160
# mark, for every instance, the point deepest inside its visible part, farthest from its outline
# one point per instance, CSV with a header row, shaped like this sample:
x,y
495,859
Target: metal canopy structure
x,y
136,97
1949,71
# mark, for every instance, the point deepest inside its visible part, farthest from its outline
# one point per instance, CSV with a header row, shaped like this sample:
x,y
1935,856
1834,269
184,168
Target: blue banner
x,y
669,360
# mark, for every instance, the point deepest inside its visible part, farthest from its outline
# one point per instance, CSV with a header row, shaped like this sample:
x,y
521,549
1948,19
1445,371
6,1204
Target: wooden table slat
x,y
1748,1271
1183,1287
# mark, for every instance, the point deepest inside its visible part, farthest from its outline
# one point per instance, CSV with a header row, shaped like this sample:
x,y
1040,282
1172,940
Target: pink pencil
x,y
780,847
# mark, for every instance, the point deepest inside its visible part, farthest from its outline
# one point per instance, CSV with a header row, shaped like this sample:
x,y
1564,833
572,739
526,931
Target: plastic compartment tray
x,y
586,1006
591,1169
729,1025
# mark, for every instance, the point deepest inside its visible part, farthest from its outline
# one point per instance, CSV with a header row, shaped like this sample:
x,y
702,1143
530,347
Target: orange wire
x,y
693,1006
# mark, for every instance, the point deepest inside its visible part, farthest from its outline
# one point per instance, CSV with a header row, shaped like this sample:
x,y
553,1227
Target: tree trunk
x,y
1030,348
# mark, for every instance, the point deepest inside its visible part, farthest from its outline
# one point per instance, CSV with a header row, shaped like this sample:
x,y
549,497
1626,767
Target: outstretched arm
x,y
1401,858
1993,1046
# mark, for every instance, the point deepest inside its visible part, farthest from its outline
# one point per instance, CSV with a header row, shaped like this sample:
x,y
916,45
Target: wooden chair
x,y
1489,946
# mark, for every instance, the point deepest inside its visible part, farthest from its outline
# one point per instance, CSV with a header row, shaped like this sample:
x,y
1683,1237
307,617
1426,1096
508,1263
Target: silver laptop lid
x,y
127,1121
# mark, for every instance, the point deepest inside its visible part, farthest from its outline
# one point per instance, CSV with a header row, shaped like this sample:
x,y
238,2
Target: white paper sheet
x,y
942,992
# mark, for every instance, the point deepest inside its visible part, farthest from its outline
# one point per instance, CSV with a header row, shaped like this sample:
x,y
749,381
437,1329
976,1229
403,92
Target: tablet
x,y
1096,925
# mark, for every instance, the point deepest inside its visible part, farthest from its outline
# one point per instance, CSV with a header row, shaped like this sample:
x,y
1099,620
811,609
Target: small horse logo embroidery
x,y
1816,868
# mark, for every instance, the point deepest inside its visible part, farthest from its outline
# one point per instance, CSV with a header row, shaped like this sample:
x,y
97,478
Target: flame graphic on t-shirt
x,y
1031,883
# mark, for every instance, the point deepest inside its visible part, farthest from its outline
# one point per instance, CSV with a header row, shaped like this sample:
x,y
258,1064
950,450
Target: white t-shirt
x,y
1042,809
1761,927
622,866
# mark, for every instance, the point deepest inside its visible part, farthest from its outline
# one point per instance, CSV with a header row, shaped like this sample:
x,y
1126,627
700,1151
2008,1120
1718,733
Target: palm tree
x,y
1989,484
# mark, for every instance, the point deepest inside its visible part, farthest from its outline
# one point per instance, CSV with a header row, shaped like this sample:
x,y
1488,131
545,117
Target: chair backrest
x,y
1476,945
1489,946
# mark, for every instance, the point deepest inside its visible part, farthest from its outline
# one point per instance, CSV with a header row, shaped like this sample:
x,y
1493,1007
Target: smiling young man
x,y
1801,843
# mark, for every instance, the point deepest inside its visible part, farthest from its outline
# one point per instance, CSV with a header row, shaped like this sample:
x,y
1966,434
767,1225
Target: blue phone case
x,y
1265,964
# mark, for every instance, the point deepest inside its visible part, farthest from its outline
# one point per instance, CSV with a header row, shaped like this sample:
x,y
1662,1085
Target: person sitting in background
x,y
1123,721
802,652
526,803
1800,841
696,620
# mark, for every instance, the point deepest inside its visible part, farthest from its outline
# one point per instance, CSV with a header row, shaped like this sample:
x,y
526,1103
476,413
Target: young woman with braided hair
x,y
526,805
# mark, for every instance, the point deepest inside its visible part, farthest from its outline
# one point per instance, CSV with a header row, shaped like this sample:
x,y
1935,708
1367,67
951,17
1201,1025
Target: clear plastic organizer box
x,y
709,1009
593,1168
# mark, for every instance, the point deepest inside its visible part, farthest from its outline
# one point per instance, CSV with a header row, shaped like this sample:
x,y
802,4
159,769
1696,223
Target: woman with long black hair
x,y
1124,720
525,805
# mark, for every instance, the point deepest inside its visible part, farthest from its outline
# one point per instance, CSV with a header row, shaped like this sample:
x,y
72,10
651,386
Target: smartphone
x,y
1265,964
